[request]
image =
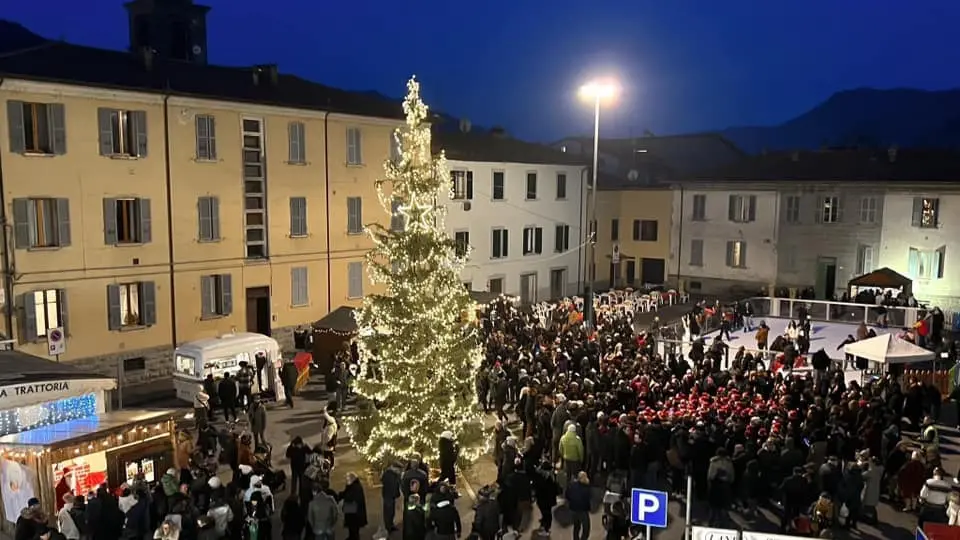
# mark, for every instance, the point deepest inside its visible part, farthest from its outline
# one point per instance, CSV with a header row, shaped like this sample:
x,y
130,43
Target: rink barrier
x,y
836,312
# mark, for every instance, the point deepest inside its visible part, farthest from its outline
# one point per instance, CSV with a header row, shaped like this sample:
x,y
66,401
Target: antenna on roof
x,y
465,125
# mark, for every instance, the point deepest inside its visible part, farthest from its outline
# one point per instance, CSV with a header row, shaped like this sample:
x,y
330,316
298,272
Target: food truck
x,y
194,360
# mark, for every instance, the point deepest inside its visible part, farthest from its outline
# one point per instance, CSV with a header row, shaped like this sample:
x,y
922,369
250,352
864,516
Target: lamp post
x,y
596,91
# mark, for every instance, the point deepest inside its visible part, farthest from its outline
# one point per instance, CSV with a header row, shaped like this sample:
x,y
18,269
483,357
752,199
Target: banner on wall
x,y
712,533
80,475
19,486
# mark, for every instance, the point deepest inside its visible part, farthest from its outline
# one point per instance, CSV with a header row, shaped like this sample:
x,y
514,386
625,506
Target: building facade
x,y
519,208
633,237
143,218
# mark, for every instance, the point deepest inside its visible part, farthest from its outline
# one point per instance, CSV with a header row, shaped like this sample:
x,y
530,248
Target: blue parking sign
x,y
920,534
648,507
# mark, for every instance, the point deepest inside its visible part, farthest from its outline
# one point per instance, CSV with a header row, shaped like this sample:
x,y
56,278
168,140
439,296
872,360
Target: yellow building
x,y
635,223
152,199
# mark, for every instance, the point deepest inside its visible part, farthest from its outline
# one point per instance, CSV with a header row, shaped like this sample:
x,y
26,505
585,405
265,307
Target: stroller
x,y
276,480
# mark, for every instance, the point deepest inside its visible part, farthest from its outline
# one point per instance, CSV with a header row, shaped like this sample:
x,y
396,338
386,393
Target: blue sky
x,y
685,65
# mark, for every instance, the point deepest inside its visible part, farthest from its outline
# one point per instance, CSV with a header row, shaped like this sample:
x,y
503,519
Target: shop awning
x,y
883,278
28,380
74,431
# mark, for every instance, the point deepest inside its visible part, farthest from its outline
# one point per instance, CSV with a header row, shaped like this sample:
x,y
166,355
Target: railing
x,y
837,312
7,344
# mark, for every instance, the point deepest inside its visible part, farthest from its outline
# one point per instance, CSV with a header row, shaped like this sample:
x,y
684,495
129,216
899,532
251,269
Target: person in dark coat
x,y
545,490
210,389
288,377
30,521
444,519
49,533
227,392
414,519
354,507
292,519
486,517
448,458
390,492
297,454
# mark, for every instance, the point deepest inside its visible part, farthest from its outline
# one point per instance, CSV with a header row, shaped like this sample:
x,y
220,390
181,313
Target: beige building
x,y
152,199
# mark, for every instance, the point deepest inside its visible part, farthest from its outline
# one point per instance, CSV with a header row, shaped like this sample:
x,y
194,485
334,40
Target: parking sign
x,y
648,507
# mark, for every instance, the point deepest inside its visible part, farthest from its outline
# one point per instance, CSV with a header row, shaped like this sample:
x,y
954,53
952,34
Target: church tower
x,y
172,29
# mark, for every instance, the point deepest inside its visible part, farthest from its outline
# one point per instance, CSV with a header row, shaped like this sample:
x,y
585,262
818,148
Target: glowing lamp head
x,y
599,90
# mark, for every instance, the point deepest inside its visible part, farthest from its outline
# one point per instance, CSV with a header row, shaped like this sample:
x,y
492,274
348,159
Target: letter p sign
x,y
648,508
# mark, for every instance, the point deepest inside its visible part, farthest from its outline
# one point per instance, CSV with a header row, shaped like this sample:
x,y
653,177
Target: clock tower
x,y
171,29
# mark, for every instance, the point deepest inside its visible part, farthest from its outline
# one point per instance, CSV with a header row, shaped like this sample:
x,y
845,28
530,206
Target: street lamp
x,y
596,91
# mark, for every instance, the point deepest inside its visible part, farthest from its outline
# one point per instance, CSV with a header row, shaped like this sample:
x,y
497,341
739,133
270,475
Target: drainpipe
x,y
326,183
169,180
7,269
580,257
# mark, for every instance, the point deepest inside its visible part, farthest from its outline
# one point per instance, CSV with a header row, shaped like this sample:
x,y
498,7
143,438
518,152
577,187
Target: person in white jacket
x,y
65,521
328,437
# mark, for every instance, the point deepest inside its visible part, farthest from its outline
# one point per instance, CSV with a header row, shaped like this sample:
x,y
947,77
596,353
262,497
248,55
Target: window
x,y
561,185
500,244
742,208
699,211
298,217
216,295
396,216
926,212
206,137
562,239
297,142
43,311
131,305
126,221
299,289
865,263
355,280
531,185
354,215
468,285
737,254
532,241
208,211
395,151
495,285
926,264
791,210
648,230
499,184
696,252
558,282
614,229
461,239
354,146
462,185
37,128
41,223
868,209
829,209
122,133
254,163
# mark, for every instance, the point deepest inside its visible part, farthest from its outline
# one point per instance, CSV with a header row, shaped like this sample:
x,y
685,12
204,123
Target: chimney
x,y
892,153
795,156
498,132
465,125
147,54
265,74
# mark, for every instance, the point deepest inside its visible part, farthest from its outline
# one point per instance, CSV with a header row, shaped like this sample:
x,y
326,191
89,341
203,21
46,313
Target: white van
x,y
194,360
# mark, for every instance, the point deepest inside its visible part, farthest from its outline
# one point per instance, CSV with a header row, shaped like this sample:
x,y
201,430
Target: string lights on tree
x,y
418,356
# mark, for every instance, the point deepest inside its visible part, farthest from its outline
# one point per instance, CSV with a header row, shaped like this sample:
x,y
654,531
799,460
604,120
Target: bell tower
x,y
172,29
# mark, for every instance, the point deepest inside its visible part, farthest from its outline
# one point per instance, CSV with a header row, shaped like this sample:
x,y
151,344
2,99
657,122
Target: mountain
x,y
15,36
863,117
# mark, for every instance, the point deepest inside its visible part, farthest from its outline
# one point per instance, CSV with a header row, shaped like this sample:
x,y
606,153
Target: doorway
x,y
653,271
631,272
528,288
826,277
558,283
258,310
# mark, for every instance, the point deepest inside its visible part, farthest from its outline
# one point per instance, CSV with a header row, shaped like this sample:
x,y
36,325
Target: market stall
x,y
330,335
883,279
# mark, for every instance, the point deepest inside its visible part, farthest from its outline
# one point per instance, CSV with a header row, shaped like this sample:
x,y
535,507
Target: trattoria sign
x,y
34,388
19,395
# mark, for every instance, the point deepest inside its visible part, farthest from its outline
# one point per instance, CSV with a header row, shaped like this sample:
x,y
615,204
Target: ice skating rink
x,y
826,336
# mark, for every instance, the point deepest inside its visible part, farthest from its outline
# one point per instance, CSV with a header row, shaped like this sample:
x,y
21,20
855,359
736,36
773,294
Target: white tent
x,y
888,349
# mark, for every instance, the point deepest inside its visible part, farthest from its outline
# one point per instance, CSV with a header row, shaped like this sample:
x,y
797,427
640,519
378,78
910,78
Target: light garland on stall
x,y
46,414
132,435
420,355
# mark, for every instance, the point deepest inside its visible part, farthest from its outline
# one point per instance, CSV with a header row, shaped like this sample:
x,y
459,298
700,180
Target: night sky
x,y
685,65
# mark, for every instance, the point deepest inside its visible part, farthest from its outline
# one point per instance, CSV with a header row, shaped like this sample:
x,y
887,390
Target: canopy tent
x,y
483,297
883,278
339,321
888,349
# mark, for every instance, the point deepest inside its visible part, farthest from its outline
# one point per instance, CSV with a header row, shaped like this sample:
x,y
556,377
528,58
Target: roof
x,y
339,320
888,349
231,341
884,278
499,148
60,62
854,165
83,428
18,367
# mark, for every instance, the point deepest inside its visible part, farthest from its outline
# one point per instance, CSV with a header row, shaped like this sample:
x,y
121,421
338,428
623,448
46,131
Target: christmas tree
x,y
419,354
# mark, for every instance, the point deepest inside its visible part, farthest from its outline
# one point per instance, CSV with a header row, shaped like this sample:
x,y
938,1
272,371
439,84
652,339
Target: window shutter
x,y
752,211
205,231
58,128
742,263
494,245
21,223
913,263
29,319
18,142
146,221
63,222
861,260
839,209
105,123
64,311
730,254
538,240
110,222
469,185
732,208
148,303
212,136
566,238
215,218
298,278
558,239
818,216
917,218
295,131
505,243
114,309
355,280
937,261
298,216
139,120
207,288
203,149
226,293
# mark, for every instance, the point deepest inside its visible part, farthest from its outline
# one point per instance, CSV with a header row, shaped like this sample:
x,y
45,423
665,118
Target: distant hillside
x,y
15,36
864,117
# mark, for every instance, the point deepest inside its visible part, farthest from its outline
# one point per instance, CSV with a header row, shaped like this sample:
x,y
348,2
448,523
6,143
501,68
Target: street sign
x,y
710,533
648,507
56,342
615,257
921,535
